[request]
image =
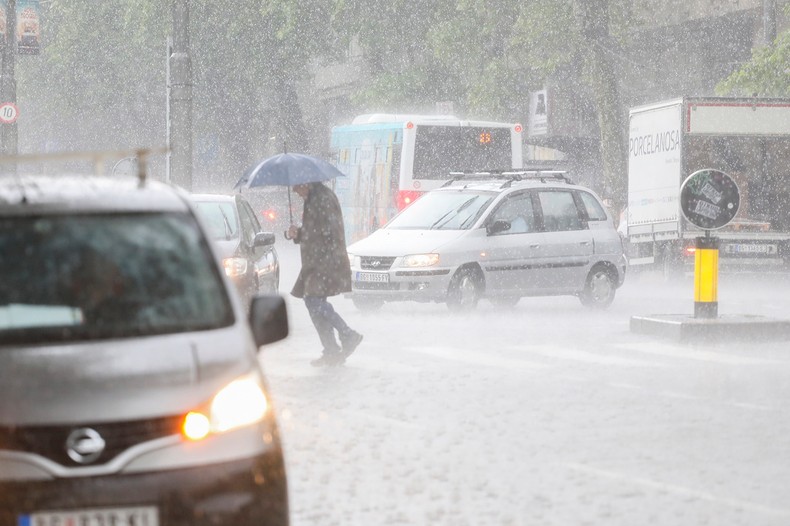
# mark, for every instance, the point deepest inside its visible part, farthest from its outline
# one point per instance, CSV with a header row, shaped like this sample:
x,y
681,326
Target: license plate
x,y
376,277
137,516
743,248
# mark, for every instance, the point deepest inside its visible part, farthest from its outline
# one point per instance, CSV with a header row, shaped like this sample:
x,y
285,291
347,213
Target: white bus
x,y
390,160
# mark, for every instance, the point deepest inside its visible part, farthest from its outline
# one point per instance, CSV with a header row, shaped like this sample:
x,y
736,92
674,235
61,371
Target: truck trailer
x,y
748,139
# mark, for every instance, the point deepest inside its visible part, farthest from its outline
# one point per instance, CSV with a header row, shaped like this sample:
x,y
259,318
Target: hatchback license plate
x,y
741,248
137,516
376,277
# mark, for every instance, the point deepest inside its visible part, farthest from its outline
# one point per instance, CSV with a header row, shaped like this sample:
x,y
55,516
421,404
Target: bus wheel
x,y
465,290
599,289
367,304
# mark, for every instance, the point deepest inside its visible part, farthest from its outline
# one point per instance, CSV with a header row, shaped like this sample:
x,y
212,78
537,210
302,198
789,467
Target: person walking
x,y
325,270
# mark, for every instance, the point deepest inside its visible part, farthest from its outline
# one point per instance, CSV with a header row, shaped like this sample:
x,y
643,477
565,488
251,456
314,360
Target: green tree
x,y
766,74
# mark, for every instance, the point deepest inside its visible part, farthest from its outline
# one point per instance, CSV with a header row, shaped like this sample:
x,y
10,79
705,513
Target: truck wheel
x,y
465,290
671,266
599,289
367,304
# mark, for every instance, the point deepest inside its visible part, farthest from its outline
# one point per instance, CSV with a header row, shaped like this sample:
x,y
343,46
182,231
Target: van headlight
x,y
240,403
420,260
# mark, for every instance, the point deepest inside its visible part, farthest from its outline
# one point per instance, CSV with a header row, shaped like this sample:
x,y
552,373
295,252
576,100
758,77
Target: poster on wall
x,y
28,27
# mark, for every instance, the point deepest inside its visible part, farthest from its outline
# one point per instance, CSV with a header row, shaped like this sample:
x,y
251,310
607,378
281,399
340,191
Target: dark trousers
x,y
326,320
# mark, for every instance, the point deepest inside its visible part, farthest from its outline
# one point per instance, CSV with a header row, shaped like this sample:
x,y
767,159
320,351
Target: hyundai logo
x,y
84,445
375,263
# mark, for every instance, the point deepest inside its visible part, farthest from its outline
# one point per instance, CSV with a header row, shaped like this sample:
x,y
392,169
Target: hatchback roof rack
x,y
510,176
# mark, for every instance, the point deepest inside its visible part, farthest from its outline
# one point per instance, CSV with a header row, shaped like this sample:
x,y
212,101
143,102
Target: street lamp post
x,y
180,99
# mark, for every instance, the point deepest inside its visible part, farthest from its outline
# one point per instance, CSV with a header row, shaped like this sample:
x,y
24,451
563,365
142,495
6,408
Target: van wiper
x,y
442,221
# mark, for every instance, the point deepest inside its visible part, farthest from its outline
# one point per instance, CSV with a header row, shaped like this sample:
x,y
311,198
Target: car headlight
x,y
235,266
420,260
354,261
240,403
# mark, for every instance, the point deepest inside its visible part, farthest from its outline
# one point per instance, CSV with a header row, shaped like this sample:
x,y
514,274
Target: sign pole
x,y
8,130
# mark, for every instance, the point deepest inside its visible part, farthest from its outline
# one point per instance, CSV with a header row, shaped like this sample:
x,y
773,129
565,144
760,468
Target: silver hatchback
x,y
130,389
499,236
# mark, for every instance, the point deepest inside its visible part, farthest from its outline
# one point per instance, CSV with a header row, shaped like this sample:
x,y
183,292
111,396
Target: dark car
x,y
130,386
247,252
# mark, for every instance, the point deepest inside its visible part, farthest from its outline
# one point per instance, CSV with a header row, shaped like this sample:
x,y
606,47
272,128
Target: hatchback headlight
x,y
235,266
240,403
354,261
420,260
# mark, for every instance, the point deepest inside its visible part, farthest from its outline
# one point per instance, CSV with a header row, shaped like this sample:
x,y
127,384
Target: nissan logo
x,y
84,445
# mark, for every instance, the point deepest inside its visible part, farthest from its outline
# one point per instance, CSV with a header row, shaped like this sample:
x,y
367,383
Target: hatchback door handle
x,y
534,246
585,243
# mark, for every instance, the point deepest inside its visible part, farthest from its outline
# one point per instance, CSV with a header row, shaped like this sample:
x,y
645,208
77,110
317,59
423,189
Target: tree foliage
x,y
767,74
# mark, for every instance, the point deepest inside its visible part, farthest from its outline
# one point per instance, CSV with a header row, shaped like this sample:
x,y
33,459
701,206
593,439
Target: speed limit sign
x,y
8,112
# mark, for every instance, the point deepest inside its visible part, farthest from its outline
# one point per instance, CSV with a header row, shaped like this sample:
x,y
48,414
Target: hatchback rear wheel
x,y
599,289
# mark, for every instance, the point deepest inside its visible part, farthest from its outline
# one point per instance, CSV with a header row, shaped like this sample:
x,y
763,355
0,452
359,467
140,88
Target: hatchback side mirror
x,y
497,227
268,318
263,239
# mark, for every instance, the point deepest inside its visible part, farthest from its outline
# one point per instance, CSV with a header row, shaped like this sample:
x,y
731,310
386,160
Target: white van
x,y
130,388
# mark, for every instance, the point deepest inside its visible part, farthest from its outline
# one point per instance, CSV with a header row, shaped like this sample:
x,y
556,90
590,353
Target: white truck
x,y
747,138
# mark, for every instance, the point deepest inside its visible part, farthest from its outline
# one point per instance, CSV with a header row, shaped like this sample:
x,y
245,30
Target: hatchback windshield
x,y
443,211
220,219
106,276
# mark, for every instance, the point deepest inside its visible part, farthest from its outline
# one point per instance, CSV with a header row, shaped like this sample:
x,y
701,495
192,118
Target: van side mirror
x,y
497,227
268,318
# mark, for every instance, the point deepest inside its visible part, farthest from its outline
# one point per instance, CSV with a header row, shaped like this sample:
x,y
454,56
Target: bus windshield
x,y
439,150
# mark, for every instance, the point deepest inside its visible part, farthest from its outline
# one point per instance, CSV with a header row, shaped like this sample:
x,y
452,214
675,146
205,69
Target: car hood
x,y
119,379
395,242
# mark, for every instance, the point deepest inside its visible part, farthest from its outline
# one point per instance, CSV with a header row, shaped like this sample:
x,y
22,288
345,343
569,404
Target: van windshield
x,y
75,277
443,211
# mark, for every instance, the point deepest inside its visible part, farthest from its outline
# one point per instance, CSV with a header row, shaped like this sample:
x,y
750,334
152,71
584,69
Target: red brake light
x,y
689,251
409,125
271,215
518,128
406,197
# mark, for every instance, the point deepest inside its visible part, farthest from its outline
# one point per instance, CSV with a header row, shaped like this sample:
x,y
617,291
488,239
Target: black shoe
x,y
328,359
350,342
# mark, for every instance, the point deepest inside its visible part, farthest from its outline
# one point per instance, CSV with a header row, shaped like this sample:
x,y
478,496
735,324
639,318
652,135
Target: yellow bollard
x,y
706,278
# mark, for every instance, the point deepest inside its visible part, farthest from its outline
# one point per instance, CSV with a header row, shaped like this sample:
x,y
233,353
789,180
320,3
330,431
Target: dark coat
x,y
322,239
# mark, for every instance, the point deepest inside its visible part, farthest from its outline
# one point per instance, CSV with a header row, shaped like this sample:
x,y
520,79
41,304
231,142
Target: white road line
x,y
477,358
578,355
689,353
679,490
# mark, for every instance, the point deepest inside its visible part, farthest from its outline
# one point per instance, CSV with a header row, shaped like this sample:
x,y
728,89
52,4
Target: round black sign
x,y
709,199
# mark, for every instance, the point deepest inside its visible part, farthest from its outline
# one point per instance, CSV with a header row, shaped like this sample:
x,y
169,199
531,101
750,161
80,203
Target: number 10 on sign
x,y
8,112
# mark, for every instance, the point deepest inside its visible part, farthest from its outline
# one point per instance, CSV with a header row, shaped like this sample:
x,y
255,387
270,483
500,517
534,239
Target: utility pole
x,y
180,99
8,132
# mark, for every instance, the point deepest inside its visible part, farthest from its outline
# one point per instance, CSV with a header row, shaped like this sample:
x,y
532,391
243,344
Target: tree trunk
x,y
594,18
